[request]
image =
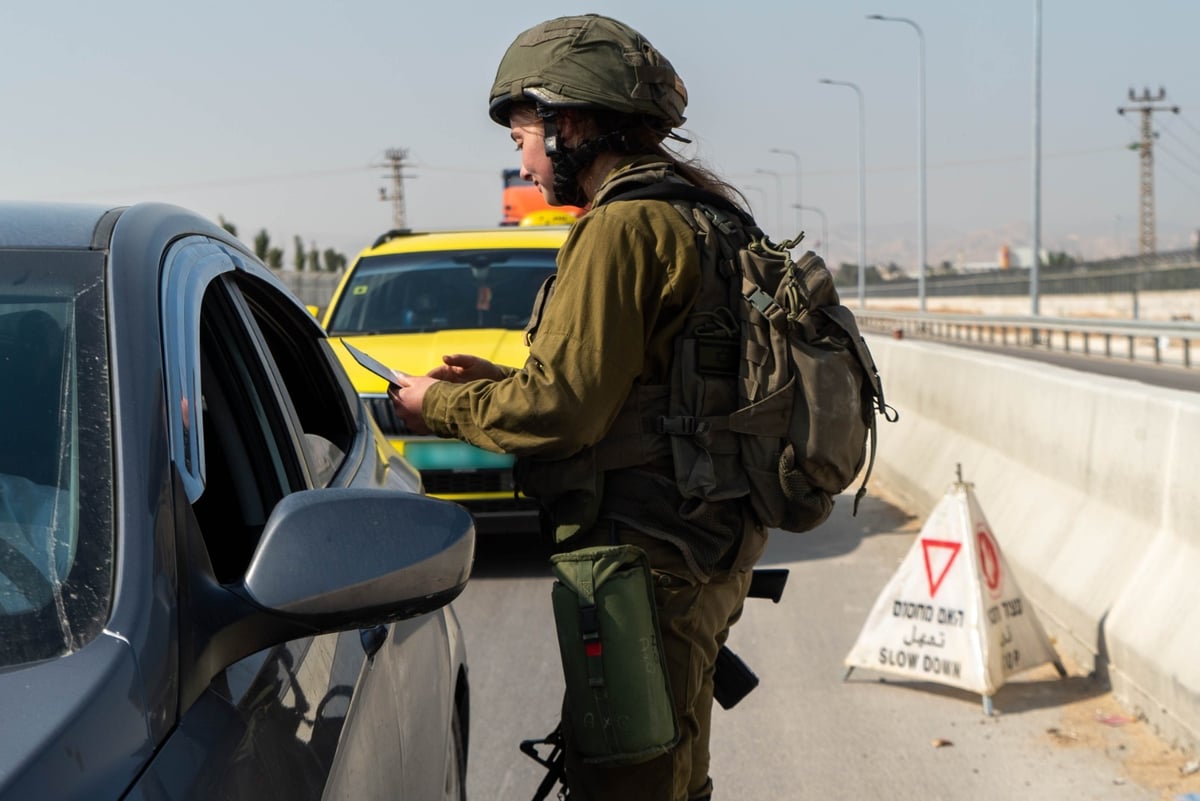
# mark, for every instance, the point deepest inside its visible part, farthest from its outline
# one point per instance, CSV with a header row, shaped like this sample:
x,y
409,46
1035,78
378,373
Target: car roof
x,y
405,241
43,225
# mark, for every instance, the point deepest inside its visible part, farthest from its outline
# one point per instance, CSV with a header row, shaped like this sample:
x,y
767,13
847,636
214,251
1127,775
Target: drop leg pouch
x,y
617,693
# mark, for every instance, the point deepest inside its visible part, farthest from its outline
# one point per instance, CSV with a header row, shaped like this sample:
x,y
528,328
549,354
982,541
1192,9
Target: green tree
x,y
314,259
227,225
1059,260
262,244
275,259
299,256
334,261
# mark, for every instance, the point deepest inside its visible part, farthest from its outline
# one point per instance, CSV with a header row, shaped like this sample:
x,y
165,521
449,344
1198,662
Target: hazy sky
x,y
277,115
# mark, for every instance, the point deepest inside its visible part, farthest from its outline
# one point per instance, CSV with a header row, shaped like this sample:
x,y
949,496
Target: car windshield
x,y
434,291
55,473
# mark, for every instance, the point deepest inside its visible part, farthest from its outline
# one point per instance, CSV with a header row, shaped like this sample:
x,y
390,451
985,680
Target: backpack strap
x,y
677,190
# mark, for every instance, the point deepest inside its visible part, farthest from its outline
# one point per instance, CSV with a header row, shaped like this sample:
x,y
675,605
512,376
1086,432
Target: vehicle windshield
x,y
435,291
56,539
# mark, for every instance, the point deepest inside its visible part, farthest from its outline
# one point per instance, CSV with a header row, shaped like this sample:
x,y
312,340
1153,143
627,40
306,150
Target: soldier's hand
x,y
407,396
463,367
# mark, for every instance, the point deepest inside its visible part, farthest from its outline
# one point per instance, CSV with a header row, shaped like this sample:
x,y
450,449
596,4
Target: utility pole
x,y
1146,104
395,157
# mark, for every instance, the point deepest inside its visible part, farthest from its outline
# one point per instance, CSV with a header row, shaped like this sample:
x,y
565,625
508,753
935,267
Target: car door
x,y
269,725
395,738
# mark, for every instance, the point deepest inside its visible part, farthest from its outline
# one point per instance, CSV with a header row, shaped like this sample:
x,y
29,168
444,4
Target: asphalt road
x,y
805,732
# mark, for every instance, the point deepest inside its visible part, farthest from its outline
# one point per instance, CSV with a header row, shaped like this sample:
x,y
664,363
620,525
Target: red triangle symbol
x,y
936,555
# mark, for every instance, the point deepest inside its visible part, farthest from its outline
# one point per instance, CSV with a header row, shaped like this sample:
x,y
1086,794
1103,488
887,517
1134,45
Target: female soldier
x,y
589,103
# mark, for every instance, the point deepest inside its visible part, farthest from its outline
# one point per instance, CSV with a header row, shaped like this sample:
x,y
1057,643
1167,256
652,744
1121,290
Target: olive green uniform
x,y
627,275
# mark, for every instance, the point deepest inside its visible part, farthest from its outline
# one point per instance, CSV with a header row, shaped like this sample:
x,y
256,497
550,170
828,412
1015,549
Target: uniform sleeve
x,y
614,276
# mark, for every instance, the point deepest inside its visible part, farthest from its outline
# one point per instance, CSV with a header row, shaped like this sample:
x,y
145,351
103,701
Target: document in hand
x,y
374,365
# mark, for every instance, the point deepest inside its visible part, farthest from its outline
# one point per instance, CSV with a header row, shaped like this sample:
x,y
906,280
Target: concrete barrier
x,y
1090,484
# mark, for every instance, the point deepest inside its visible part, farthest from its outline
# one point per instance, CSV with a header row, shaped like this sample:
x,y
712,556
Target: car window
x,y
317,397
278,416
463,289
56,535
248,447
316,389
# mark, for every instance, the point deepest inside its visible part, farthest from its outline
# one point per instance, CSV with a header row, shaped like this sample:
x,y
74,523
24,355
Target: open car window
x,y
258,409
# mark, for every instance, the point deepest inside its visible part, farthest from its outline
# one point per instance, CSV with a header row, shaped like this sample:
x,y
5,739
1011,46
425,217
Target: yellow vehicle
x,y
411,298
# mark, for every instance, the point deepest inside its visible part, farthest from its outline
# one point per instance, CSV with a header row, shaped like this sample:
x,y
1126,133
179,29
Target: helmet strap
x,y
569,162
564,160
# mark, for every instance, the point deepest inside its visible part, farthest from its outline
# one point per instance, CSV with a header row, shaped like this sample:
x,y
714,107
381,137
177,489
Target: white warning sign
x,y
953,613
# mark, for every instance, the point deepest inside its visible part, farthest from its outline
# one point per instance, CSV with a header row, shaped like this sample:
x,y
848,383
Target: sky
x,y
278,116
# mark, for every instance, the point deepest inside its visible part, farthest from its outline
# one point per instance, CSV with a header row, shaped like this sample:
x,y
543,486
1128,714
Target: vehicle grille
x,y
446,482
500,507
380,407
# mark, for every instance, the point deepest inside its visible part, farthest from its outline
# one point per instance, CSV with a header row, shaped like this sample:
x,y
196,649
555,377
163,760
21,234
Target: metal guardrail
x,y
1138,340
1168,272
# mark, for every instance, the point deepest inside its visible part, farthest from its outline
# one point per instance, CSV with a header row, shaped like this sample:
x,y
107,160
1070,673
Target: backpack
x,y
773,390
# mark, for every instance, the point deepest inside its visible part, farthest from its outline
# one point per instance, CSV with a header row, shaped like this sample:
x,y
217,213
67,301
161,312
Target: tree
x,y
1059,260
314,259
334,261
275,259
262,244
227,225
298,258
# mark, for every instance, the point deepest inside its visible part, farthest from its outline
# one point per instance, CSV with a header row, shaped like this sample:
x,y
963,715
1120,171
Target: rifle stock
x,y
732,678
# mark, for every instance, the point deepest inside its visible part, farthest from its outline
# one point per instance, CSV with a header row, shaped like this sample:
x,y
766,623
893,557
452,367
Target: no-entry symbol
x,y
989,561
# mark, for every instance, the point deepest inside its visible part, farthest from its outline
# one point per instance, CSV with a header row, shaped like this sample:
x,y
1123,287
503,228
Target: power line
x,y
1187,123
1175,176
1170,131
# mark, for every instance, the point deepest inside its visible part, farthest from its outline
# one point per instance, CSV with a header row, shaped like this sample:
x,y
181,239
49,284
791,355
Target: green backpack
x,y
773,391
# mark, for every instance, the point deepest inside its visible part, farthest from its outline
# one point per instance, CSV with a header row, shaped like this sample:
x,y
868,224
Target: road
x,y
805,733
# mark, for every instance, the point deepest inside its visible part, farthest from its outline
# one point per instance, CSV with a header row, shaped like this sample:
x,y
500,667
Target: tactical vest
x,y
656,424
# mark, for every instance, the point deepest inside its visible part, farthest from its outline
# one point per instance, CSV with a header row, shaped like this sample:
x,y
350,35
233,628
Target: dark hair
x,y
635,135
645,136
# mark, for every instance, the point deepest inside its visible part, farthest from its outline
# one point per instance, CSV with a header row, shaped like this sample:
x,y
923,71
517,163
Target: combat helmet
x,y
587,61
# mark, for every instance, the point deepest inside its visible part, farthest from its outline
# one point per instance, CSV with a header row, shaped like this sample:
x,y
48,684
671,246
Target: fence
x,y
1136,340
313,289
1166,272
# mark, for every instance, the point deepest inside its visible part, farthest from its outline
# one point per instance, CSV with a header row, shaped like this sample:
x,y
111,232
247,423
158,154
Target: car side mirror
x,y
341,558
328,560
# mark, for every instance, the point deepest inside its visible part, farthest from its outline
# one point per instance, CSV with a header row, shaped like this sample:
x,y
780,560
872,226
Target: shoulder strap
x,y
677,190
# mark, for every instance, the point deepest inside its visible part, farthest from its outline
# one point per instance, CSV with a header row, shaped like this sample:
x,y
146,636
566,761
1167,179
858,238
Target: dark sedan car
x,y
217,578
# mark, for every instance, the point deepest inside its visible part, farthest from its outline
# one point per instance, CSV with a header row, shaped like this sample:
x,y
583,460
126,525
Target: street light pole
x,y
824,229
1037,159
796,202
778,194
751,188
862,190
920,153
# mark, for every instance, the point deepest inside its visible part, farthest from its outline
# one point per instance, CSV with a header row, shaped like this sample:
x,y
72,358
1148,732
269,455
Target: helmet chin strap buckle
x,y
550,127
